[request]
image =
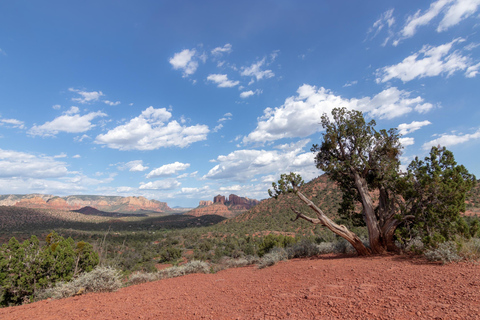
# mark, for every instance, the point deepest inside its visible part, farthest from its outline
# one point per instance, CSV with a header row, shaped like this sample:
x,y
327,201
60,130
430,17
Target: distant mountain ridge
x,y
76,202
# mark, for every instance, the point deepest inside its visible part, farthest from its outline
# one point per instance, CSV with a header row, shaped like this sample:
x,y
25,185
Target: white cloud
x,y
86,97
14,164
447,140
236,187
83,137
111,103
459,10
218,127
125,190
12,123
77,156
300,115
255,71
185,61
167,184
386,19
407,141
168,169
56,107
249,93
428,62
61,155
405,128
245,165
70,122
222,80
453,12
133,166
150,131
219,51
472,71
349,84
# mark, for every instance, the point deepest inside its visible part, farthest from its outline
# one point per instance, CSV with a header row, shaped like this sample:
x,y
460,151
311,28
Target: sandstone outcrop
x,y
216,208
222,206
103,203
219,199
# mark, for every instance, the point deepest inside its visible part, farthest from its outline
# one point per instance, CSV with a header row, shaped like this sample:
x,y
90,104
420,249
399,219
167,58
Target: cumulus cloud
x,y
245,165
453,12
447,140
86,96
152,130
185,61
12,123
406,128
133,166
428,62
407,141
70,122
226,116
222,80
217,127
111,103
300,115
249,93
167,184
168,169
14,164
219,51
255,70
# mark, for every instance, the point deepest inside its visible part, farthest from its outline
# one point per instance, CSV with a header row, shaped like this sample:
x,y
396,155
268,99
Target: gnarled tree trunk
x,y
374,232
340,230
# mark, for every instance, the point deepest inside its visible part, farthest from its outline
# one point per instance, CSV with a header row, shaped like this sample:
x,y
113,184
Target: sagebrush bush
x,y
142,277
471,249
303,249
446,252
275,255
101,279
194,266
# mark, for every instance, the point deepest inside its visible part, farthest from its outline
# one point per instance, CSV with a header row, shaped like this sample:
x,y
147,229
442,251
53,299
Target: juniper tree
x,y
364,161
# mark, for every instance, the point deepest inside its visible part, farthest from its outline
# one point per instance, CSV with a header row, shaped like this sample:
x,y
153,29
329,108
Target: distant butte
x,y
222,206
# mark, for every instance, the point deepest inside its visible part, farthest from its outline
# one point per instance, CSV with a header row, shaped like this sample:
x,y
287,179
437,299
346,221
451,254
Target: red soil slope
x,y
328,287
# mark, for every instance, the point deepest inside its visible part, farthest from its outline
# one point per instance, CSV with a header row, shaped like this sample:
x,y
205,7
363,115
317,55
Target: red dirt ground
x,y
327,287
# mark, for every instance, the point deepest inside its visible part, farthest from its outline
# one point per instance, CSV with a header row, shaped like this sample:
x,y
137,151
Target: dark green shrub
x,y
28,267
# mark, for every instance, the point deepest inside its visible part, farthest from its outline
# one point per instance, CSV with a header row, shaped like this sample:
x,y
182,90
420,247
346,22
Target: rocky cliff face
x,y
204,203
235,202
103,203
216,208
225,207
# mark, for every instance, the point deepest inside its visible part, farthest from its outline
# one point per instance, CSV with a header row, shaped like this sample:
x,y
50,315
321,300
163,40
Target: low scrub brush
x,y
101,279
446,252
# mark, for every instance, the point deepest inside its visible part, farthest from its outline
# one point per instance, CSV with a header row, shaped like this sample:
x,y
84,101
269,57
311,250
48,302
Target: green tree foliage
x,y
364,162
27,267
434,191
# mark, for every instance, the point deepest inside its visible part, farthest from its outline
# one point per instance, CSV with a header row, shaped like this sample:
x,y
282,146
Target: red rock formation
x,y
57,203
240,203
219,199
216,208
204,203
104,203
34,202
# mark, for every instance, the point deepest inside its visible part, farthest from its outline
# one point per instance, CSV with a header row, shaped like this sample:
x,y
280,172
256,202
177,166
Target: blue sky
x,y
179,101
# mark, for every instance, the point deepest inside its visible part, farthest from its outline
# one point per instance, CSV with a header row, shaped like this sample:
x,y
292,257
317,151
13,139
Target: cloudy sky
x,y
179,101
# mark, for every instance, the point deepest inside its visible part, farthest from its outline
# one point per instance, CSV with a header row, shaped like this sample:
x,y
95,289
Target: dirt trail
x,y
327,287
